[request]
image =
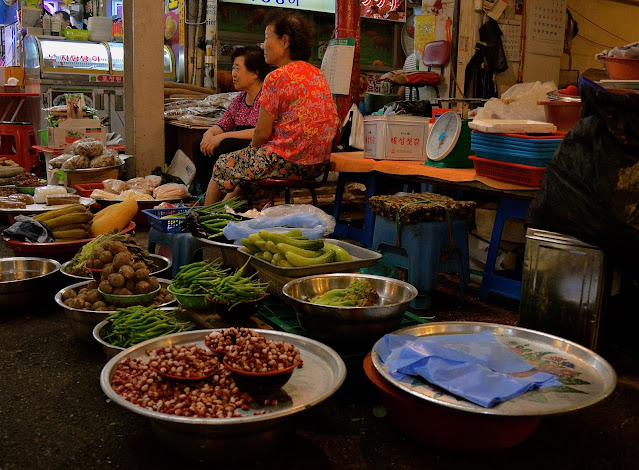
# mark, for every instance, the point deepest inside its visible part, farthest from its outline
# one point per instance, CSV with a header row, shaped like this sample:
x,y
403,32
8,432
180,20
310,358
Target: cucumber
x,y
267,256
276,238
250,247
270,246
295,233
257,241
277,257
340,253
299,261
284,247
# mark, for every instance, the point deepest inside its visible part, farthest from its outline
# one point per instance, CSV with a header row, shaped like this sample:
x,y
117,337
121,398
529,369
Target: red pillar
x,y
347,13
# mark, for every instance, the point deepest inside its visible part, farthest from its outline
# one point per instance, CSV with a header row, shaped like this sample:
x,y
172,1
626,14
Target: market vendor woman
x,y
234,130
297,120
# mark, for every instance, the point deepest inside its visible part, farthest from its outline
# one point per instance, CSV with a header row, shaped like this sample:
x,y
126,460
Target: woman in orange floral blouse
x,y
298,117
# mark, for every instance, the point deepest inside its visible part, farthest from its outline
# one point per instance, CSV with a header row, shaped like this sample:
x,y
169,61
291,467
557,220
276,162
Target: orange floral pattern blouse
x,y
305,118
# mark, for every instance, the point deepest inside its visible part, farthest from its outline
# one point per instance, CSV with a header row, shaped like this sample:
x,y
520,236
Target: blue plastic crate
x,y
166,225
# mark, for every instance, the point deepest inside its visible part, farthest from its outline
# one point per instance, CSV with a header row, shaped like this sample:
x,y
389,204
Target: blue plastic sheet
x,y
312,226
476,367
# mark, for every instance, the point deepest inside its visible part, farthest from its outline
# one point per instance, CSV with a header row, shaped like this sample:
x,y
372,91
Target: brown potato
x,y
116,280
142,287
127,271
130,284
98,306
122,259
106,287
97,252
82,292
153,281
139,265
93,296
106,256
122,291
92,285
68,294
118,247
142,274
107,270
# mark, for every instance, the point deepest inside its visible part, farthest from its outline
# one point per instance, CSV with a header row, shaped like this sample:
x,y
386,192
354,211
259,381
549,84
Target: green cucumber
x,y
299,261
340,253
272,247
276,238
250,247
285,247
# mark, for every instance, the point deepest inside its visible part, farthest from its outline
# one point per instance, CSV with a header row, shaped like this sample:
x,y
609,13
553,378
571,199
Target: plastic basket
x,y
86,189
154,216
511,172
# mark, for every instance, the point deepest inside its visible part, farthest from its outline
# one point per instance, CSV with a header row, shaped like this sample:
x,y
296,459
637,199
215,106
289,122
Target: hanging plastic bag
x,y
590,189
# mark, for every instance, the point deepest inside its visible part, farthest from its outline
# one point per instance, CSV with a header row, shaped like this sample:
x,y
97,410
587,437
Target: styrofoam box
x,y
395,137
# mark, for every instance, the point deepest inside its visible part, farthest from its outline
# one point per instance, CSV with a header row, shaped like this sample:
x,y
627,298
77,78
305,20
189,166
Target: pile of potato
x,y
121,274
89,298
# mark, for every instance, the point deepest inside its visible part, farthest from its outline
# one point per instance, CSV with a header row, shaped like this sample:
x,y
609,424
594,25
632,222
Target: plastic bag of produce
x,y
312,226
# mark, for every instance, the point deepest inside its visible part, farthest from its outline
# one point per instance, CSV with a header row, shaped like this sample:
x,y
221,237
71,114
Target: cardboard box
x,y
7,72
75,129
396,137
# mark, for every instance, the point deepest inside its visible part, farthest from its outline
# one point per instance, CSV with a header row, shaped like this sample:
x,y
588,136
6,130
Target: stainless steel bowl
x,y
261,428
22,277
348,325
161,261
110,350
83,321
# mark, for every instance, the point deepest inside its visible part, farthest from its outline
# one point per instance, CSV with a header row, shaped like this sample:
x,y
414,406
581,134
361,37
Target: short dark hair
x,y
65,15
253,60
299,30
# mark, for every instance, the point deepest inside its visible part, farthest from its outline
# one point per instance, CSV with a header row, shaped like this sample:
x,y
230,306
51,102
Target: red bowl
x,y
96,273
619,68
59,251
448,428
260,383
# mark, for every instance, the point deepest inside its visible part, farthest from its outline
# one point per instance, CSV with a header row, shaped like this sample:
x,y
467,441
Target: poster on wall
x,y
392,10
424,30
174,30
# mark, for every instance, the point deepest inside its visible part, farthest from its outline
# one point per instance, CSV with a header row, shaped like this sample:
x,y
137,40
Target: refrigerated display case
x,y
54,68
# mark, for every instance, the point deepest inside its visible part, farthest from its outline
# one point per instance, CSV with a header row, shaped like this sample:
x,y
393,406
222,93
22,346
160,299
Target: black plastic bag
x,y
412,108
590,189
27,229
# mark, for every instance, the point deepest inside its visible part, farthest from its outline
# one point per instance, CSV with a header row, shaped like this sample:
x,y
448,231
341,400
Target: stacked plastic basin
x,y
517,158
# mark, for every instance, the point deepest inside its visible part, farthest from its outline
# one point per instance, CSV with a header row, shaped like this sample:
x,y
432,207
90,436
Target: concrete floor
x,y
54,415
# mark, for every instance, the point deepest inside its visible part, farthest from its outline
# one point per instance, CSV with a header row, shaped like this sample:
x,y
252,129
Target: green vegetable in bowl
x,y
132,325
359,294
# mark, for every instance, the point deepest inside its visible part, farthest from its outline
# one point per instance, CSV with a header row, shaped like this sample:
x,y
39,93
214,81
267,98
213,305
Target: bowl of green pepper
x,y
129,326
348,309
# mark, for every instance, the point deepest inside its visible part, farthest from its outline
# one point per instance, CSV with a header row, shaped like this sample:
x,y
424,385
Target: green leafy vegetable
x,y
361,293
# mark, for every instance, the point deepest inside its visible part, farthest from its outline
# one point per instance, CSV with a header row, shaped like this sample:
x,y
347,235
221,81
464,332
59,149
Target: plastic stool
x,y
506,283
363,235
21,136
420,248
184,247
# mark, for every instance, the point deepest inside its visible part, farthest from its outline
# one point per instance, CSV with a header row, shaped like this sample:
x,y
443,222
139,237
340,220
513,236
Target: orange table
x,y
354,168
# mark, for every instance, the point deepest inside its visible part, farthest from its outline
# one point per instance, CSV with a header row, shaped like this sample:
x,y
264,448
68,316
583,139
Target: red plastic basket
x,y
511,172
85,189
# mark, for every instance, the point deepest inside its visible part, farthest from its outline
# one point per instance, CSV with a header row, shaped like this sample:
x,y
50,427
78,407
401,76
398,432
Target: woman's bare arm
x,y
264,128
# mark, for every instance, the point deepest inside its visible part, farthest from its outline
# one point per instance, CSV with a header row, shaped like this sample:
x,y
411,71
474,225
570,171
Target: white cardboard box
x,y
396,137
75,129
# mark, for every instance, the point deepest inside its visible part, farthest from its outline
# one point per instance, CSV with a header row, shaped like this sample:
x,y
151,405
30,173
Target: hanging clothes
x,y
489,58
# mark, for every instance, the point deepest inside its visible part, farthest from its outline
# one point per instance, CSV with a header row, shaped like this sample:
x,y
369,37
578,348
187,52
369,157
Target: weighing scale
x,y
448,144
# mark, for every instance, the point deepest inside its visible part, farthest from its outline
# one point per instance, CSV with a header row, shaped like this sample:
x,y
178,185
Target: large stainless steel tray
x,y
322,374
586,377
362,258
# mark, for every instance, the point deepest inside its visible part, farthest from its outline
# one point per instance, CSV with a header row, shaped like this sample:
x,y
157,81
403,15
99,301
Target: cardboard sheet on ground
x,y
476,367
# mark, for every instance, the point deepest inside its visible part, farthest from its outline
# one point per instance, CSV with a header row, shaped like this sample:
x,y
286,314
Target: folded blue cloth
x,y
473,366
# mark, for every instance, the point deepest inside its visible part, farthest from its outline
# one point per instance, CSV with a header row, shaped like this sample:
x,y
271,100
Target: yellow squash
x,y
114,216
